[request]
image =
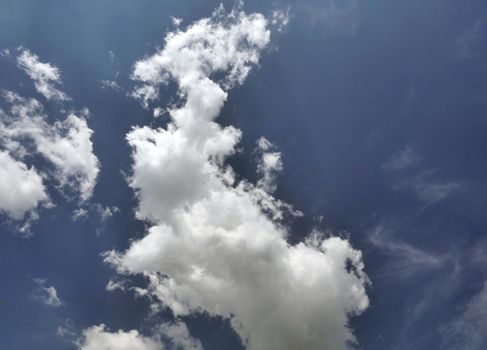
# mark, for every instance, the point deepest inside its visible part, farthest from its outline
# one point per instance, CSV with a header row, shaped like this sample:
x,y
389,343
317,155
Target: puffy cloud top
x,y
99,338
21,188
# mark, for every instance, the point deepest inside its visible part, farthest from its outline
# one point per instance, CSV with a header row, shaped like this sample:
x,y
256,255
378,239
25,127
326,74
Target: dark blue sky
x,y
379,109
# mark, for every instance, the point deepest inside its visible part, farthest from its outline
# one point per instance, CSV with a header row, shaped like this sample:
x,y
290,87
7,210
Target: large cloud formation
x,y
26,134
217,245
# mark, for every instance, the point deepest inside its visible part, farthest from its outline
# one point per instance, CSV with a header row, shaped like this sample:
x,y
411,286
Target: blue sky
x,y
275,175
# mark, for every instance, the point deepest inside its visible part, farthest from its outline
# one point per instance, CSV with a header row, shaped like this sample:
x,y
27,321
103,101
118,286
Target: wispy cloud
x,y
339,16
45,76
404,259
406,171
470,44
47,294
467,331
110,85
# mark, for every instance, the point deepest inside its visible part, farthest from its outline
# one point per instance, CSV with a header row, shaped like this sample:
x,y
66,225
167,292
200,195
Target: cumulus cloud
x,y
47,294
175,335
21,187
44,75
209,46
65,144
99,338
62,151
216,245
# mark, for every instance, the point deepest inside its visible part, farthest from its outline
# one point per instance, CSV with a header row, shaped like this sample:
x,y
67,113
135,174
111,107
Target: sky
x,y
253,175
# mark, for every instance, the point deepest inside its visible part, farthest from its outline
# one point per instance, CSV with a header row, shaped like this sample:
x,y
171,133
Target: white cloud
x,y
111,55
48,295
26,135
177,334
174,334
176,21
21,188
268,164
99,338
158,112
104,213
67,331
280,19
208,46
80,214
110,85
45,75
5,53
65,144
216,245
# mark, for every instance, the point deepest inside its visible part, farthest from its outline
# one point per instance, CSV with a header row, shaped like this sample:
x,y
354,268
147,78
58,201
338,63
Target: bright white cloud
x,y
44,75
219,44
217,245
99,338
47,294
21,188
26,135
174,335
65,144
